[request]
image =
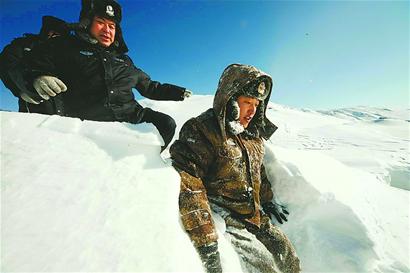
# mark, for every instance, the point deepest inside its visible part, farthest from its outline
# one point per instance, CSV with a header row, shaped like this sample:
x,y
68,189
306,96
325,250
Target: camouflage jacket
x,y
220,168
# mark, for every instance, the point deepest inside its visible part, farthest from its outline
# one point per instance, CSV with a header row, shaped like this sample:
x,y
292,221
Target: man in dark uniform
x,y
13,66
94,76
219,156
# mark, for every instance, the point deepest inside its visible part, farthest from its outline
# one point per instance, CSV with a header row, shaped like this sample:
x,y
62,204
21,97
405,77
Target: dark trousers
x,y
164,124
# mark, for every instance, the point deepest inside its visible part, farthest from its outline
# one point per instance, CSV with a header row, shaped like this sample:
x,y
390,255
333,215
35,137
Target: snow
x,y
82,196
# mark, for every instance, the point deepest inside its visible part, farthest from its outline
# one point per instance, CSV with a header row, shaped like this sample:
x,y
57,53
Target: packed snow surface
x,y
83,196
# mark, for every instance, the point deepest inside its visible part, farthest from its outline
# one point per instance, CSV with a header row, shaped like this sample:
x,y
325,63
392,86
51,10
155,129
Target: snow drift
x,y
96,196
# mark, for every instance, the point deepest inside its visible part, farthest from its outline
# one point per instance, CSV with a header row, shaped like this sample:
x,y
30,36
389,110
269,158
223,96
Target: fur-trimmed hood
x,y
235,81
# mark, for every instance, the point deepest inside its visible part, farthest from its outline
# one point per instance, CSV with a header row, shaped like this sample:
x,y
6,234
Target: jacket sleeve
x,y
43,59
157,91
191,157
13,67
266,193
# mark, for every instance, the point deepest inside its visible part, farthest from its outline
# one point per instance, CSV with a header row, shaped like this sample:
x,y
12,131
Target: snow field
x,y
91,196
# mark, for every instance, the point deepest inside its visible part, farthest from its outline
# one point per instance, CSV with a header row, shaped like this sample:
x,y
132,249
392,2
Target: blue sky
x,y
321,54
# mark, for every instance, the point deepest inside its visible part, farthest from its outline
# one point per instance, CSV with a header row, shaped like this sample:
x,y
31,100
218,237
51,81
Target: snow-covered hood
x,y
232,82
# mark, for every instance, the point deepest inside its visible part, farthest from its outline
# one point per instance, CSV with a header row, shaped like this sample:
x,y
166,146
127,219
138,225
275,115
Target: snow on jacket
x,y
219,167
99,80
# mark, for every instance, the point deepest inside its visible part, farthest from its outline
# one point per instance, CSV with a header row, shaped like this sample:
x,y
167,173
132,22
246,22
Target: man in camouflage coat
x,y
219,157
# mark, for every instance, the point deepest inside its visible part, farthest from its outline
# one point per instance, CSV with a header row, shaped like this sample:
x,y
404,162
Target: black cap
x,y
109,9
51,23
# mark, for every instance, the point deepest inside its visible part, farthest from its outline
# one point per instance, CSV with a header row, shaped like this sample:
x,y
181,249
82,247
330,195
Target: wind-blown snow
x,y
82,196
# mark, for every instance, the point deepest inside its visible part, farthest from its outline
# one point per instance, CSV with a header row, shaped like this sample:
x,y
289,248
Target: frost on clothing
x,y
224,170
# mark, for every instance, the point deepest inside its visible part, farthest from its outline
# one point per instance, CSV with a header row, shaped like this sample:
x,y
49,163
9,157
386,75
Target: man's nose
x,y
252,109
106,28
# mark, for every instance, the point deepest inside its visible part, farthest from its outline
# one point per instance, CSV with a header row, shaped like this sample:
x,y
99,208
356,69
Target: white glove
x,y
26,97
47,86
187,93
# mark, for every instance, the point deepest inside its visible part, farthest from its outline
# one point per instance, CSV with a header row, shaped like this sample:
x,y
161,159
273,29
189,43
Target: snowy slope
x,y
371,139
95,196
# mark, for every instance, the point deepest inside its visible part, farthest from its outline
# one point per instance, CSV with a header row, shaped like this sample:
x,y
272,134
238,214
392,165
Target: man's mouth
x,y
105,37
248,119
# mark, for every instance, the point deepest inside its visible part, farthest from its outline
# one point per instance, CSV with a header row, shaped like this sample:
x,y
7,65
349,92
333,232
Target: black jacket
x,y
99,80
14,67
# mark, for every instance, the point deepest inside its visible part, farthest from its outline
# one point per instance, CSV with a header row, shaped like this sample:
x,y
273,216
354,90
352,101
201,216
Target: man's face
x,y
103,30
248,107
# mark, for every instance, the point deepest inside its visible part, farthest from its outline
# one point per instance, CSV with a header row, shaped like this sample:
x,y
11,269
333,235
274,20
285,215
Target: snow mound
x,y
82,196
337,209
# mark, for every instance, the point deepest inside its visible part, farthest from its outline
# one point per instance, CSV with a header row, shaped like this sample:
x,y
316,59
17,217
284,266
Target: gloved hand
x,y
29,98
187,93
277,210
47,86
210,258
